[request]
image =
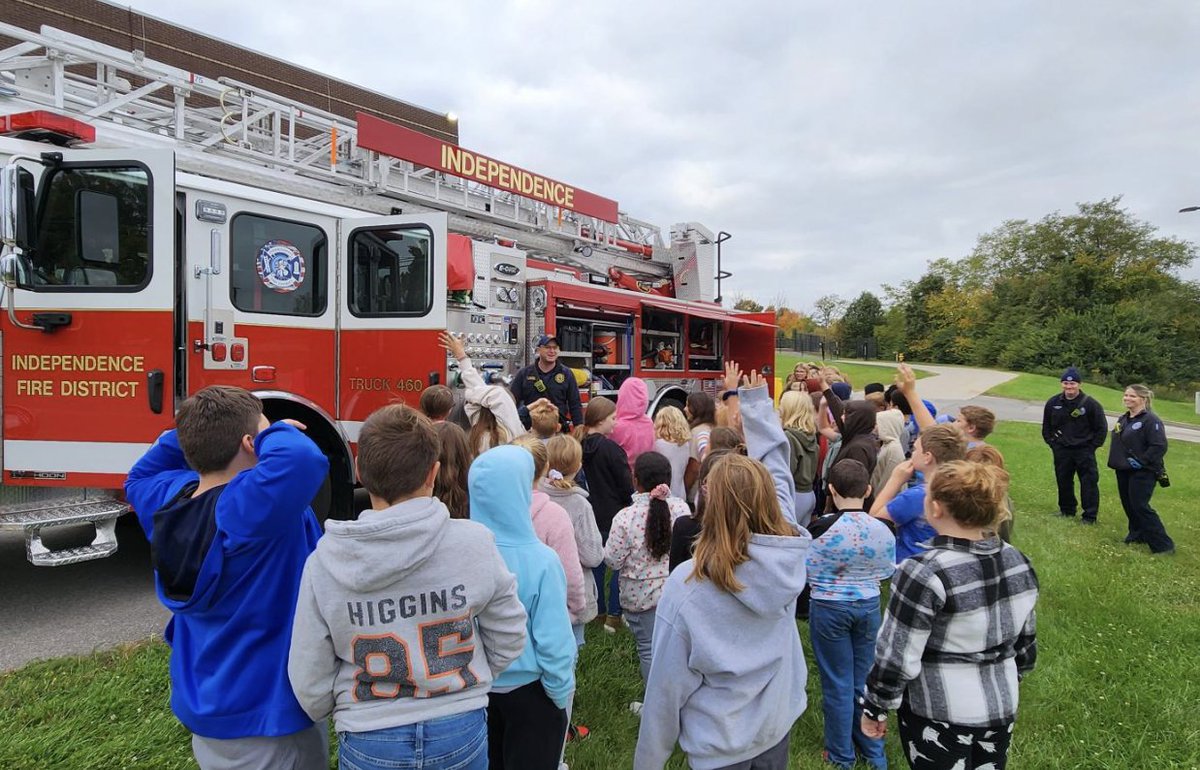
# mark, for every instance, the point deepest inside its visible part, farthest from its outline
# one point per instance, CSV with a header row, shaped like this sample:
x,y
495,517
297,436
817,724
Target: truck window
x,y
94,230
390,272
277,266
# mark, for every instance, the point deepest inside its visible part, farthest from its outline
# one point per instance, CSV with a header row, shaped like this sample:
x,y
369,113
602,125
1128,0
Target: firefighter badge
x,y
280,266
560,378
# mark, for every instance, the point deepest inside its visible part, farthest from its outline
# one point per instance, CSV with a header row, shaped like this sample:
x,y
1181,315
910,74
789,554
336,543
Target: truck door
x,y
752,344
392,308
92,385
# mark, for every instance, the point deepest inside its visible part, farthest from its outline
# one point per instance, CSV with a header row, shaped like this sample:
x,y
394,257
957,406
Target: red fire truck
x,y
164,231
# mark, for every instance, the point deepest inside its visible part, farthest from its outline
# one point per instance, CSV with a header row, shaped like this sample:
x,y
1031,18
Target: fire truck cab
x,y
152,249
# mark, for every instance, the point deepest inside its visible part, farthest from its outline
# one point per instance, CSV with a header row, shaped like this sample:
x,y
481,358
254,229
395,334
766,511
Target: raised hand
x,y
906,381
753,380
452,344
733,374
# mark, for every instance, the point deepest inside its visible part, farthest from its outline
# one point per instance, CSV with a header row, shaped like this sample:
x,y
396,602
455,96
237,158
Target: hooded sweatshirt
x,y
495,399
587,539
409,585
610,482
633,431
227,564
729,675
501,488
856,423
553,527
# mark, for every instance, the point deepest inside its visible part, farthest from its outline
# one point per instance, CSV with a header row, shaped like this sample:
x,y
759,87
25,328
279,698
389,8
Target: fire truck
x,y
164,231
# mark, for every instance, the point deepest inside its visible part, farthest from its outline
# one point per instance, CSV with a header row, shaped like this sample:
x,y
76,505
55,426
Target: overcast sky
x,y
842,144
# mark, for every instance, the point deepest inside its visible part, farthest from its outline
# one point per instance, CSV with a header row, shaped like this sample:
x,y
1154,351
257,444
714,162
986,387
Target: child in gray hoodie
x,y
405,616
727,677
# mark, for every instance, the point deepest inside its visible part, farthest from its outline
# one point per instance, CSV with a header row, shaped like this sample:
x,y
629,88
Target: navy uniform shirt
x,y
558,385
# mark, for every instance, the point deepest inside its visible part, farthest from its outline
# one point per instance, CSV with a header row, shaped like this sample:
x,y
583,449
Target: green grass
x,y
1114,688
1039,387
860,374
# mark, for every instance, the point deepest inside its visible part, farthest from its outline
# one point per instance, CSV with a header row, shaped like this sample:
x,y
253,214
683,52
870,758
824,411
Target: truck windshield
x,y
94,230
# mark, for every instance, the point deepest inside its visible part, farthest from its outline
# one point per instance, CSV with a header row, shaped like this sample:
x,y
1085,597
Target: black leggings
x,y
525,729
932,745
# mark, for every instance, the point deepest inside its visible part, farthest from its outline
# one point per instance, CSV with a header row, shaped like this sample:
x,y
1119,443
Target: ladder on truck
x,y
226,128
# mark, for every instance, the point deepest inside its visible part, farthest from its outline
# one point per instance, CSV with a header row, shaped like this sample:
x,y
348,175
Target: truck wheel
x,y
669,402
322,502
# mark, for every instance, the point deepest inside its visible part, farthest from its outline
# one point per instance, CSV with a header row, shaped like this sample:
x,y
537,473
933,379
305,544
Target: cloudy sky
x,y
843,144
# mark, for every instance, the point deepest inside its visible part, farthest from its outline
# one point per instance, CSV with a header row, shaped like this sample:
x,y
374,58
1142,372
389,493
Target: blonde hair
x,y
796,411
739,502
1143,392
944,441
544,419
670,425
565,455
973,493
535,447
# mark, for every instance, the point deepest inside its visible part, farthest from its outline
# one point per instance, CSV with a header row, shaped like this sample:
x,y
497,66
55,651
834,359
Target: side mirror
x,y
10,271
16,207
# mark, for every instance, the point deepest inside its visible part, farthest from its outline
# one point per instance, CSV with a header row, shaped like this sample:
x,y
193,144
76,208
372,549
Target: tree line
x,y
1096,288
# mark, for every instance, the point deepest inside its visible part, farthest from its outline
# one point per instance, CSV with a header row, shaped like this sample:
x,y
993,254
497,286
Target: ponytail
x,y
652,472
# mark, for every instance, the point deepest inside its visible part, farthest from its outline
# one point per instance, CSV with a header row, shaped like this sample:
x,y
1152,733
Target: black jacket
x,y
683,536
859,442
610,485
558,385
1141,437
1074,424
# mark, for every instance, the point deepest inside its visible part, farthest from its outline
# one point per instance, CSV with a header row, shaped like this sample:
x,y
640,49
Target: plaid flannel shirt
x,y
958,634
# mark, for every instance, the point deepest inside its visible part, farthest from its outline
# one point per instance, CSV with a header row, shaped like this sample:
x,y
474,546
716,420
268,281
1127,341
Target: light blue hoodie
x,y
728,675
501,489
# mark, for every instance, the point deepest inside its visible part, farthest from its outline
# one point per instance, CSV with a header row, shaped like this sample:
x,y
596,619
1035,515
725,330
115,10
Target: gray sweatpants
x,y
305,750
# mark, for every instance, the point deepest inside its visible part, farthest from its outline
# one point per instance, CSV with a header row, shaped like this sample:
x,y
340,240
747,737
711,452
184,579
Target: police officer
x,y
1074,426
547,378
1136,454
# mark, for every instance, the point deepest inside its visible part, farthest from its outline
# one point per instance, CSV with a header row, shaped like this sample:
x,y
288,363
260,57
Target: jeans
x,y
1135,489
642,626
774,758
458,742
613,605
1068,463
843,642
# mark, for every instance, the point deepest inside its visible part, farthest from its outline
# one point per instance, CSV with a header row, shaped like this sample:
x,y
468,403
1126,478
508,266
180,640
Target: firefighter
x,y
547,378
1074,426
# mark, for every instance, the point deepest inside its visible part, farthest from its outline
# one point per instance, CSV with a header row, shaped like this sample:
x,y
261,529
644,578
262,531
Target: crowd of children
x,y
441,628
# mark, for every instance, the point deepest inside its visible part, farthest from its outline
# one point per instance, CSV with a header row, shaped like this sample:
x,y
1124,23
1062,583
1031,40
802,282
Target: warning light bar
x,y
43,126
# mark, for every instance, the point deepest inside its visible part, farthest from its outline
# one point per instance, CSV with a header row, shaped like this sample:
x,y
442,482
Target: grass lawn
x,y
1039,387
1118,632
860,374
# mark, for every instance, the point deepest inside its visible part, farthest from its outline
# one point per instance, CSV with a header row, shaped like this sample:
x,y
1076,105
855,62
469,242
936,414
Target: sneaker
x,y
1169,552
1087,521
577,733
636,707
599,619
612,623
1062,515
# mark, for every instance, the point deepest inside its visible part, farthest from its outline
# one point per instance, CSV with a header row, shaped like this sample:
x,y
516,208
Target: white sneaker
x,y
636,707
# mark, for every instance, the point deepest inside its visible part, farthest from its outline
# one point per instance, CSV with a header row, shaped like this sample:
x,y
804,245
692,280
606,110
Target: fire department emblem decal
x,y
280,266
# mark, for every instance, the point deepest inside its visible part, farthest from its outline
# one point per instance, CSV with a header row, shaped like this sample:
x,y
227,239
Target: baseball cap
x,y
547,339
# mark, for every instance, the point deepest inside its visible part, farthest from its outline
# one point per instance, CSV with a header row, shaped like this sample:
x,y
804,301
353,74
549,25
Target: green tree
x,y
742,302
860,319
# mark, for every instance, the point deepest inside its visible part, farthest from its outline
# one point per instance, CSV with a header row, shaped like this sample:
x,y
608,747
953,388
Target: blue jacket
x,y
501,493
227,565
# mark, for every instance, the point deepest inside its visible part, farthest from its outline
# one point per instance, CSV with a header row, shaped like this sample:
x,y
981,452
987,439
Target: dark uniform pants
x,y
1081,461
1135,489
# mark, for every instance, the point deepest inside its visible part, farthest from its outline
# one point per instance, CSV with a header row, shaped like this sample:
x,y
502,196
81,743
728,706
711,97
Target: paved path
x,y
951,387
49,612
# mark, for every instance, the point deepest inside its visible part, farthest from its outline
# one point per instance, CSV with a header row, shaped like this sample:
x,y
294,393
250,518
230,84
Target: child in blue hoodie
x,y
223,499
527,717
727,677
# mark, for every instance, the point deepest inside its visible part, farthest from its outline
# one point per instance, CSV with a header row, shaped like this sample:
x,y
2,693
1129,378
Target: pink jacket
x,y
634,431
553,527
